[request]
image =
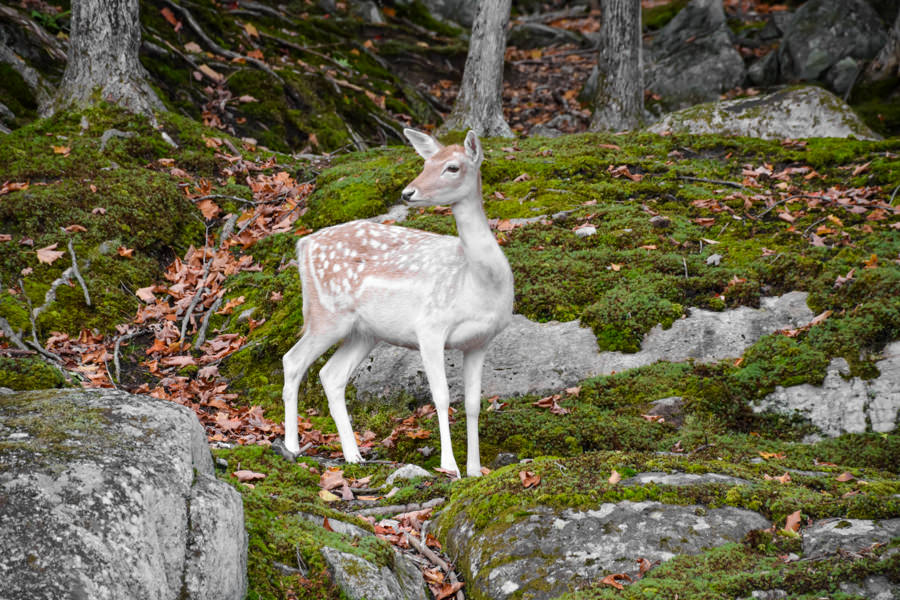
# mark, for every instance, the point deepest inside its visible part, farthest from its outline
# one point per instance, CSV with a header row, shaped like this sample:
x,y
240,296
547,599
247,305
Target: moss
x,y
29,374
659,16
17,96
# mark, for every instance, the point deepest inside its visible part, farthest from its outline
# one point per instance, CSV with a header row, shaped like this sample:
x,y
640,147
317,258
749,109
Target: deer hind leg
x,y
432,351
473,361
296,362
334,376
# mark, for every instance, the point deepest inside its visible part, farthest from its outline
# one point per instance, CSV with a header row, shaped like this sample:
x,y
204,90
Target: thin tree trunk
x,y
887,62
103,56
619,99
479,104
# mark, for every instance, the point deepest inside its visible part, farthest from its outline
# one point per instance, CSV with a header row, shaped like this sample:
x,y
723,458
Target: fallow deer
x,y
365,282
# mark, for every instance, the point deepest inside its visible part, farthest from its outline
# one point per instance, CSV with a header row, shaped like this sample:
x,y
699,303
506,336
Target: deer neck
x,y
483,255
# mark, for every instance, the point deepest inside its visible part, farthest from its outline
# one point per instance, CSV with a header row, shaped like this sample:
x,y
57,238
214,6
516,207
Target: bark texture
x,y
103,55
619,99
479,104
887,62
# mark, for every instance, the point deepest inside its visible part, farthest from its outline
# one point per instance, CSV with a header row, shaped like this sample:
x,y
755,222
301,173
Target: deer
x,y
365,282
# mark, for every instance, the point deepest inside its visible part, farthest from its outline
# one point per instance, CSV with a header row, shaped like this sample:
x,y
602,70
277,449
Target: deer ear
x,y
473,147
425,145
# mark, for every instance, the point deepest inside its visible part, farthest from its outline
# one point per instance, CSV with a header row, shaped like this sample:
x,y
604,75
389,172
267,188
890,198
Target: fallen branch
x,y
15,338
427,553
226,197
50,296
396,509
201,335
87,296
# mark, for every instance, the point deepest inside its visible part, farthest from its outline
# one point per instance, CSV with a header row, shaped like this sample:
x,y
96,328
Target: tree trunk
x,y
103,55
479,104
619,99
887,63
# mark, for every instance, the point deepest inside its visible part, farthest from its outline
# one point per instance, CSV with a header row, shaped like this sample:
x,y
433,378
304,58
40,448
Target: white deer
x,y
365,282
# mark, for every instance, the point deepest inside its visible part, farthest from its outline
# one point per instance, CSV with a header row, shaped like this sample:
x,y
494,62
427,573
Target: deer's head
x,y
451,173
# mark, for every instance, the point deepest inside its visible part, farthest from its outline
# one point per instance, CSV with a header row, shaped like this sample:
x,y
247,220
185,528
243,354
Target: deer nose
x,y
406,195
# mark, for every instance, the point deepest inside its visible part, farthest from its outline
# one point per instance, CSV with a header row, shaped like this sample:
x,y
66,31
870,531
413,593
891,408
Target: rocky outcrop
x,y
537,358
800,112
361,579
844,404
546,551
693,58
851,535
108,495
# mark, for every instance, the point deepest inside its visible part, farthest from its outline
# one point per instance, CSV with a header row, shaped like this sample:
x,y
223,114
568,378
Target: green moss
x,y
17,96
659,16
29,374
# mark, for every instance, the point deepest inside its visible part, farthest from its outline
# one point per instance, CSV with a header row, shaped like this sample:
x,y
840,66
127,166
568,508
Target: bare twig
x,y
87,296
427,553
50,296
891,201
716,181
684,262
190,309
15,338
201,334
226,197
396,509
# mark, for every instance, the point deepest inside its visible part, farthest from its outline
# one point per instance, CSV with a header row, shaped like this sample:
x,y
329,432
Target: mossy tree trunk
x,y
103,57
887,63
479,104
619,99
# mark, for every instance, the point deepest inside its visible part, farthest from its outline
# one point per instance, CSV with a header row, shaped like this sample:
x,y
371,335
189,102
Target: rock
x,y
660,222
852,535
525,358
504,458
540,358
682,479
409,471
844,405
693,58
798,112
538,35
542,130
671,409
550,551
458,11
113,495
873,587
773,594
586,231
368,11
361,579
708,336
337,526
824,32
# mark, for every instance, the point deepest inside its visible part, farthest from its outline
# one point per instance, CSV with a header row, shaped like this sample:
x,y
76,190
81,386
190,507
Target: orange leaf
x,y
251,30
529,479
209,208
792,523
448,589
74,228
49,254
64,150
245,475
125,252
845,476
613,580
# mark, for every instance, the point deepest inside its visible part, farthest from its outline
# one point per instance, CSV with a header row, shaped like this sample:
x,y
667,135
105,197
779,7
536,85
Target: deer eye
x,y
452,168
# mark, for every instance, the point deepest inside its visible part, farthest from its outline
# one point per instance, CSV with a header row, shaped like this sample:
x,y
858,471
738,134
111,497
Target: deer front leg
x,y
334,376
432,351
473,361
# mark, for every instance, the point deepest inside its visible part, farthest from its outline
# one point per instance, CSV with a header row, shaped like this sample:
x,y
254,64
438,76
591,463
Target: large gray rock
x,y
844,404
538,358
799,112
852,535
107,495
693,58
823,34
550,551
458,11
361,579
682,479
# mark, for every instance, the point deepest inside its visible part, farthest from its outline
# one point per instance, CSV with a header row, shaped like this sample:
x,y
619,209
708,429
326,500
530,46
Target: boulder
x,y
681,479
540,358
797,112
851,535
823,34
693,59
458,11
108,495
844,404
545,552
361,579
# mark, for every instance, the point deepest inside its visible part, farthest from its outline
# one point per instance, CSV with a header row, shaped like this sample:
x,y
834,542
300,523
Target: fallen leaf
x,y
98,210
49,254
64,150
775,455
74,228
447,590
332,478
125,252
245,475
146,294
12,186
328,496
792,523
615,477
845,476
251,30
613,580
193,47
529,479
5,237
209,72
208,208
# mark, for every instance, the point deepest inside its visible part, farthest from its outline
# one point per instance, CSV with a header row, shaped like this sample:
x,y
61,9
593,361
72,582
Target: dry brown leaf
x,y
64,150
615,477
845,476
613,580
792,523
208,208
49,254
245,475
209,72
193,48
125,252
529,479
146,294
251,30
74,228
